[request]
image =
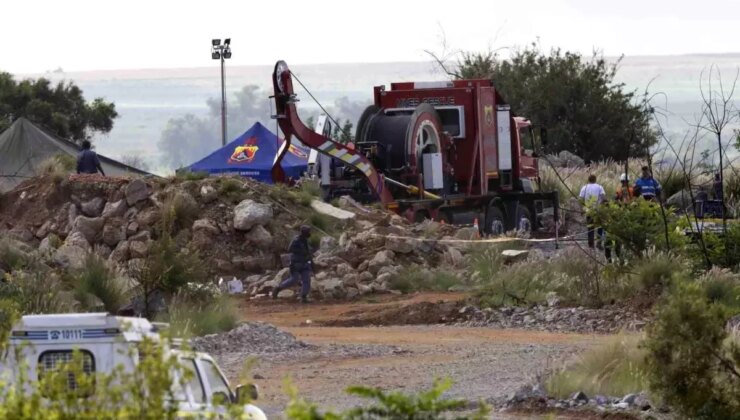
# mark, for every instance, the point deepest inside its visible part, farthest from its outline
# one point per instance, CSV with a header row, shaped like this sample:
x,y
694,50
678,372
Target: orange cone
x,y
477,228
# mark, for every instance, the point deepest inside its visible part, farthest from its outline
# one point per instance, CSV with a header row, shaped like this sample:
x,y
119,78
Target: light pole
x,y
222,52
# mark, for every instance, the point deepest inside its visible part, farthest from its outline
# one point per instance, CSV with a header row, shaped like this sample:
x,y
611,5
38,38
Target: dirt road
x,y
484,363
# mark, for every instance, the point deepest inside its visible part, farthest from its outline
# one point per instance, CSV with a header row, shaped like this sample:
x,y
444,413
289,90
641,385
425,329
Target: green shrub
x,y
37,292
657,272
321,221
615,367
97,281
691,362
12,257
181,210
412,279
188,316
428,405
191,176
722,286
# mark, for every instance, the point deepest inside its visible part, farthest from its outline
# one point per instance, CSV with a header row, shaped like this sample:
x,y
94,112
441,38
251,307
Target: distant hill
x,y
146,99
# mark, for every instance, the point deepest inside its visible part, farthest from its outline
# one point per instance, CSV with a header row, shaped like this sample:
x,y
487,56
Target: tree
x,y
574,98
135,160
60,108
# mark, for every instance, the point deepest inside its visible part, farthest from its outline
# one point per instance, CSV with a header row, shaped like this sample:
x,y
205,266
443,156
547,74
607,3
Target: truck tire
x,y
494,222
524,221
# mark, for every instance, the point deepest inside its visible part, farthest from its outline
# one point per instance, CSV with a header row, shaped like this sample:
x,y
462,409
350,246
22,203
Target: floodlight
x,y
227,41
215,42
227,53
215,55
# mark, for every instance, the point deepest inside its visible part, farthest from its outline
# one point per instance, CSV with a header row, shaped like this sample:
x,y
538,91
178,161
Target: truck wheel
x,y
524,219
494,222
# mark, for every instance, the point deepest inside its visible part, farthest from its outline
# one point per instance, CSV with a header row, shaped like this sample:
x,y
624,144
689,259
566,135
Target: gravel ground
x,y
484,363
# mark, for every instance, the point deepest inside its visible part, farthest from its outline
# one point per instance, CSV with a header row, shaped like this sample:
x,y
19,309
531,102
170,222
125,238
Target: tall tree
x,y
575,98
60,108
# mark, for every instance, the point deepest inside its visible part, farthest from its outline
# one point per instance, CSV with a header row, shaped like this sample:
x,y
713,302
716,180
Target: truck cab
x,y
104,342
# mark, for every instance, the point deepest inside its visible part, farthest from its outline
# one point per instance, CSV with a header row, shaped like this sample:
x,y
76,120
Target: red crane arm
x,y
291,125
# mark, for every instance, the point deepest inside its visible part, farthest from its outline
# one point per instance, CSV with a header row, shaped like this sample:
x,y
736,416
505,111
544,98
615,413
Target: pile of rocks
x,y
551,318
249,338
535,395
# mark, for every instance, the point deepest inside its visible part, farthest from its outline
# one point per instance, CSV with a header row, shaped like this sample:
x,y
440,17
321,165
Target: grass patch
x,y
191,176
96,283
182,209
614,368
196,317
412,279
37,292
12,257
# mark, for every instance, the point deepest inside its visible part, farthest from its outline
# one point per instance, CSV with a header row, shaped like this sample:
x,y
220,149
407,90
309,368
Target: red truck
x,y
449,150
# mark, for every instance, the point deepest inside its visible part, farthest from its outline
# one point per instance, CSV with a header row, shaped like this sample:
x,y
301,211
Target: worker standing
x,y
646,186
593,195
625,193
87,160
301,265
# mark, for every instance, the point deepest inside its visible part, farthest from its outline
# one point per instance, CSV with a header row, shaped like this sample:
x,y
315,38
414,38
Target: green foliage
x,y
412,279
428,405
344,134
321,221
60,108
691,364
191,176
638,226
575,277
96,281
614,367
657,272
36,292
722,286
723,250
12,257
191,316
575,98
182,209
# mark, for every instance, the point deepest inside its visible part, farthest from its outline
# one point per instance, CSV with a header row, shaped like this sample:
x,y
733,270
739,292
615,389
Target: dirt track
x,y
484,363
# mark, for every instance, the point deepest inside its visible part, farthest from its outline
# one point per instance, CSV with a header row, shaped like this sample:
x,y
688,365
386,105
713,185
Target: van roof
x,y
90,325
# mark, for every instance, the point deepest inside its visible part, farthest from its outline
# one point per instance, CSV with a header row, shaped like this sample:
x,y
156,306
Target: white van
x,y
106,341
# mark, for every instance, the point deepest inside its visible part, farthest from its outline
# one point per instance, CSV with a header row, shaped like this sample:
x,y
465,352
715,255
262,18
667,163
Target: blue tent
x,y
251,155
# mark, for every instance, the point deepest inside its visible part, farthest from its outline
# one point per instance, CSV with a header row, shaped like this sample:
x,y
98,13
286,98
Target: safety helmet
x,y
623,178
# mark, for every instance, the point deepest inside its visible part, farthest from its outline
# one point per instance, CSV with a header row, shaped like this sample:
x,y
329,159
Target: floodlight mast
x,y
222,52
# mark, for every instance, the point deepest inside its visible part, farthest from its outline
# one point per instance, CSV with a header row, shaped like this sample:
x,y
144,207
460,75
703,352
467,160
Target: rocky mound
x,y
249,338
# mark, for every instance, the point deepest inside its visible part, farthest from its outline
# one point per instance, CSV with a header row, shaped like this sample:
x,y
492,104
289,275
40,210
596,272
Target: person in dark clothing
x,y
717,187
87,160
301,265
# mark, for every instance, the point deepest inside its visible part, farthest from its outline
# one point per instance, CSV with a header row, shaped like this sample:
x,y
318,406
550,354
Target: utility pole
x,y
222,52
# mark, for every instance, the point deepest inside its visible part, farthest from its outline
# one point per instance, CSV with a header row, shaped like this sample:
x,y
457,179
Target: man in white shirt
x,y
593,194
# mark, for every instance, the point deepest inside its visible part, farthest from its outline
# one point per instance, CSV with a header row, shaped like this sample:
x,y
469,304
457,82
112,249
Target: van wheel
x,y
494,222
523,220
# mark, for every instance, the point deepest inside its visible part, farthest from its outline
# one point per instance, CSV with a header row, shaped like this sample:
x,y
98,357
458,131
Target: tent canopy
x,y
23,146
252,155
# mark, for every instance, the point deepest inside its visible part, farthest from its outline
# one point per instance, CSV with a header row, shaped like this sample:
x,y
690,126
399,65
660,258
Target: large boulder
x,y
142,236
454,257
327,243
139,249
381,259
113,232
398,244
115,209
120,253
44,230
207,226
21,234
343,269
250,213
77,239
89,227
136,191
332,288
147,217
208,193
260,237
93,207
70,256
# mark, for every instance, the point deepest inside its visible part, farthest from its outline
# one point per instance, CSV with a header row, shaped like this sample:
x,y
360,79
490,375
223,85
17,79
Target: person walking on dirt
x,y
593,194
87,160
301,265
625,193
646,186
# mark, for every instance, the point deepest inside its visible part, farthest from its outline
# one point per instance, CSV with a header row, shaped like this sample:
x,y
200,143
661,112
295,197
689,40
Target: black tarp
x,y
23,146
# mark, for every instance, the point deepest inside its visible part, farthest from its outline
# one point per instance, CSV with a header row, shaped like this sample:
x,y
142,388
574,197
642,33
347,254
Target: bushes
x,y
613,368
691,363
12,257
36,293
96,281
411,279
188,315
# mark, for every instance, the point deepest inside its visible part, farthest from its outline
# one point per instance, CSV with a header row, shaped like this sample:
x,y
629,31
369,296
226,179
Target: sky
x,y
76,35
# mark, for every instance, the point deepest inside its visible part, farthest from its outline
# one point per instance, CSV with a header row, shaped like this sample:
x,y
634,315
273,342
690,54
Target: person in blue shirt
x,y
87,160
646,186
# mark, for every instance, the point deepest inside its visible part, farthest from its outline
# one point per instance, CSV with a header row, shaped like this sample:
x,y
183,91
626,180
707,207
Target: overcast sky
x,y
41,35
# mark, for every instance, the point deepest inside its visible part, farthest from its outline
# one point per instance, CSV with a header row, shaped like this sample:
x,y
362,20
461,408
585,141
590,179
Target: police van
x,y
44,342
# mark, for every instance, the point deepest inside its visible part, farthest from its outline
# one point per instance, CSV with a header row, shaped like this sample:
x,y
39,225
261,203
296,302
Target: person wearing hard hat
x,y
625,193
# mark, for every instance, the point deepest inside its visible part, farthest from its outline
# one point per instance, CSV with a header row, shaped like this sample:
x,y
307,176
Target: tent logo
x,y
297,152
245,153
